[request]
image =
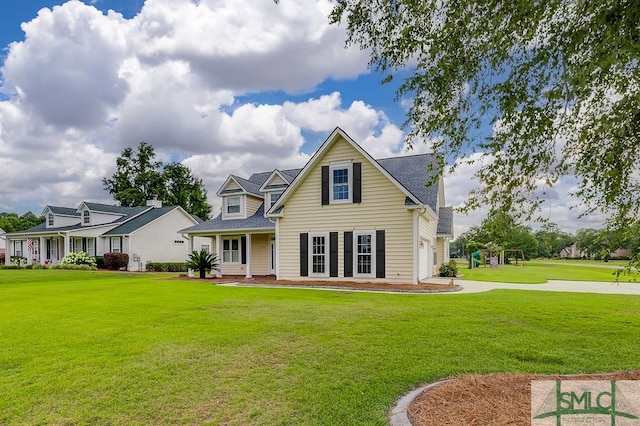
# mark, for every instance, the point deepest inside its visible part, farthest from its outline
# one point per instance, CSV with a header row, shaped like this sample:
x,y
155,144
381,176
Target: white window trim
x,y
268,200
226,206
91,246
77,244
116,239
50,219
325,274
86,217
338,166
230,239
373,254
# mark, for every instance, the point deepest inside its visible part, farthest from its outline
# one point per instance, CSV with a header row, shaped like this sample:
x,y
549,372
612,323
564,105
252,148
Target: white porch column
x,y
66,247
248,251
219,254
40,249
277,253
190,247
8,251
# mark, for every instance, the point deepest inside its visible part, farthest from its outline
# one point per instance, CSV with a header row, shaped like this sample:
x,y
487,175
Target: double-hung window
x,y
341,182
115,245
86,217
231,250
318,255
364,253
50,219
233,205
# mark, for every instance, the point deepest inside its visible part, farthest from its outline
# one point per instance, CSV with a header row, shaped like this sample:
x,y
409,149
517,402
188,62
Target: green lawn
x,y
93,348
535,272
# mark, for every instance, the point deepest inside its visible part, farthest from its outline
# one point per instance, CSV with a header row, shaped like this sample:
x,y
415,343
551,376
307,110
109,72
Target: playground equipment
x,y
495,257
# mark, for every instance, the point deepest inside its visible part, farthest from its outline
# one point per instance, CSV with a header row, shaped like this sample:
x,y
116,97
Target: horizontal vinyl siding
x,y
260,254
155,242
382,207
252,205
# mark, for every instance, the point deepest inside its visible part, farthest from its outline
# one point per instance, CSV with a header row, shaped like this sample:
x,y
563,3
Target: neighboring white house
x,y
344,216
146,234
3,243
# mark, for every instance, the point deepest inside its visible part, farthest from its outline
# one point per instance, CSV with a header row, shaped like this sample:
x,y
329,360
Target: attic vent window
x,y
178,241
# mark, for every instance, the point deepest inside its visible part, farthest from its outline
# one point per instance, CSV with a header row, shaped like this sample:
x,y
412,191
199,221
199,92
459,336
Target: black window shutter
x,y
348,254
333,254
380,265
325,185
243,249
357,182
304,255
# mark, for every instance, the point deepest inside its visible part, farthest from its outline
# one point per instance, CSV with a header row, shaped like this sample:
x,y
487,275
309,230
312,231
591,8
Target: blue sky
x,y
223,86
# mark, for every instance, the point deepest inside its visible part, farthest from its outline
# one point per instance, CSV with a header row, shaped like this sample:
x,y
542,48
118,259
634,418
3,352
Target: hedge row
x,y
167,266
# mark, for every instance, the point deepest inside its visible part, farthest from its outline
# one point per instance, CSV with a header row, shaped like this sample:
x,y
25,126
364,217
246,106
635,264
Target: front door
x,y
272,256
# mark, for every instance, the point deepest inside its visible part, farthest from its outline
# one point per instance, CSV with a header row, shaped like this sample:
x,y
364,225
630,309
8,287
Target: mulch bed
x,y
492,399
270,280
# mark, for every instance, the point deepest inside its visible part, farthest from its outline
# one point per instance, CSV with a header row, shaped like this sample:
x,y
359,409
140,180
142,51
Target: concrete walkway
x,y
469,286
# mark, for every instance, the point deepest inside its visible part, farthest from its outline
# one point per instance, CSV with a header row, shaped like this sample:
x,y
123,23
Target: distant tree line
x,y
12,222
502,231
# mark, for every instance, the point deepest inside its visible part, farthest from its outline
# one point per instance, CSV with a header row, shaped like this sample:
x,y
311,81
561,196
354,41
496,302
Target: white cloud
x,y
83,85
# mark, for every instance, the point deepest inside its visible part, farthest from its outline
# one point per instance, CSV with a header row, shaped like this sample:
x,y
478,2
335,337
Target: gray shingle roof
x,y
67,211
445,221
413,172
139,221
257,221
249,186
106,208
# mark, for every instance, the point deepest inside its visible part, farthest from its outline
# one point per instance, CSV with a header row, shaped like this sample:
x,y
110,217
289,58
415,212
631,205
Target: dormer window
x,y
273,197
233,205
50,219
86,217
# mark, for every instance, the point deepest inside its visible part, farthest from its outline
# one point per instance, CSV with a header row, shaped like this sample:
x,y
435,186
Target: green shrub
x,y
70,266
10,267
166,266
2,258
100,262
116,260
79,258
449,269
38,266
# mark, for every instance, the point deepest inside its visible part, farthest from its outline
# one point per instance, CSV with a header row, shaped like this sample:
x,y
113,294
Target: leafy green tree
x,y
203,261
551,240
182,188
558,80
139,178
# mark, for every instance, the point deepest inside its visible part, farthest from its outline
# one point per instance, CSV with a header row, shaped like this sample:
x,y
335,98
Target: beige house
x,y
344,216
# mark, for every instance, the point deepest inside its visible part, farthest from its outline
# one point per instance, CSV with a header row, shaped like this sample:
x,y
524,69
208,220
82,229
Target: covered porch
x,y
240,253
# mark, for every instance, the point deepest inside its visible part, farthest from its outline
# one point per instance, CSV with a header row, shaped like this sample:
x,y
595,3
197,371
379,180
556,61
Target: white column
x,y
40,249
219,254
248,251
8,252
277,251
